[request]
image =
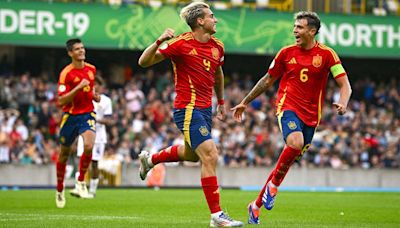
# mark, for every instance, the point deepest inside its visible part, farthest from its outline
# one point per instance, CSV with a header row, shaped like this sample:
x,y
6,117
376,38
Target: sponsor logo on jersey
x,y
317,61
76,80
193,52
292,61
203,131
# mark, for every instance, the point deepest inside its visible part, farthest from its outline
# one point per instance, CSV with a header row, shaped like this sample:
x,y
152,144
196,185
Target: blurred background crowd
x,y
368,136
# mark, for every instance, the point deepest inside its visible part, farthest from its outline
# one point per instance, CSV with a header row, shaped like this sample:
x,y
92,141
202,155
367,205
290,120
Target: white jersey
x,y
102,108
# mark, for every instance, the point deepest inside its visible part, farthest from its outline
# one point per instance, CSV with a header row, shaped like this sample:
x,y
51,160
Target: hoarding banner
x,y
135,27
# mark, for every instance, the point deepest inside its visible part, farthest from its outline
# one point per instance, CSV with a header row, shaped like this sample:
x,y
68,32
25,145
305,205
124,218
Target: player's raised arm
x,y
262,86
345,93
150,55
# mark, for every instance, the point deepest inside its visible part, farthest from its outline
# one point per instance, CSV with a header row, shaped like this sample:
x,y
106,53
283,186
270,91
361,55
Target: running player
x,y
197,58
303,69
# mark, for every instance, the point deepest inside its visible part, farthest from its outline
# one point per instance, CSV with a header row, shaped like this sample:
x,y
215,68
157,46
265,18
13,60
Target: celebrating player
x,y
75,95
197,58
103,110
303,69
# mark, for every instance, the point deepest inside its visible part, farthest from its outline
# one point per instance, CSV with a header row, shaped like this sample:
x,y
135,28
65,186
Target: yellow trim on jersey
x,y
333,53
175,73
90,65
190,37
64,119
286,47
280,120
64,73
72,107
281,101
218,42
184,37
337,70
319,107
189,113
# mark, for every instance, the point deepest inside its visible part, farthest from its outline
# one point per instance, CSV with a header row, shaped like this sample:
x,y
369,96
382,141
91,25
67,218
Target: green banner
x,y
136,26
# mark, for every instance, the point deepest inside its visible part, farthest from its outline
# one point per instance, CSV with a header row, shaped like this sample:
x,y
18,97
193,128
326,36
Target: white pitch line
x,y
32,217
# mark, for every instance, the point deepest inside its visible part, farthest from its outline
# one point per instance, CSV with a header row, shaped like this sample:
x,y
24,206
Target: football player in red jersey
x,y
303,69
75,95
197,58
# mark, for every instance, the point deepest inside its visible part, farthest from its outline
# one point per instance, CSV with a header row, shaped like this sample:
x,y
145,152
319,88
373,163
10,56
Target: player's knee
x,y
88,147
210,157
94,165
295,143
63,158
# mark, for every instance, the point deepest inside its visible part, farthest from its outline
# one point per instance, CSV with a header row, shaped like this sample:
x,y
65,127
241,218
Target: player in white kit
x,y
103,111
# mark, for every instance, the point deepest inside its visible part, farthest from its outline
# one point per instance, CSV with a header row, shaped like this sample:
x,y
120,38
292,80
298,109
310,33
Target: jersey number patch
x,y
92,124
303,75
207,64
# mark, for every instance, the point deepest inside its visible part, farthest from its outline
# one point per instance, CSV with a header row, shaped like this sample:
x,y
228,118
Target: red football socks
x,y
166,155
60,175
286,159
83,165
211,192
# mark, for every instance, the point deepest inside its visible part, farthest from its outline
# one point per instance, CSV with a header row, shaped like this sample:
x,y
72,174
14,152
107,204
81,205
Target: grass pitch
x,y
187,208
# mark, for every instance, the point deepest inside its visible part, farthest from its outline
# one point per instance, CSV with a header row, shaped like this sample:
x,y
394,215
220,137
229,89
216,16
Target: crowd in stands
x,y
368,136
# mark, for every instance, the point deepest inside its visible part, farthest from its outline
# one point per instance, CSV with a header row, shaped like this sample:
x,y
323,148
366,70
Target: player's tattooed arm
x,y
262,86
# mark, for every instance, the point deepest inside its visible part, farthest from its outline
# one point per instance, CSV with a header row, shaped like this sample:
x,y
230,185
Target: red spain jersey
x,y
70,77
194,64
304,75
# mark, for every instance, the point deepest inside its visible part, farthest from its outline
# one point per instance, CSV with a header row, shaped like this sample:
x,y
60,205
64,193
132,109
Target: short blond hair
x,y
191,12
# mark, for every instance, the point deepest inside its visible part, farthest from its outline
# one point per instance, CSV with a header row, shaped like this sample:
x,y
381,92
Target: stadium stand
x,y
368,136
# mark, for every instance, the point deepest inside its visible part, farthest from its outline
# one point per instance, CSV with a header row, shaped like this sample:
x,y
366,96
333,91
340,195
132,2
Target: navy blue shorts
x,y
289,122
195,124
74,125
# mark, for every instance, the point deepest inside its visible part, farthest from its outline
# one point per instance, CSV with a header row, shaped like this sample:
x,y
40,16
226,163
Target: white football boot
x,y
60,199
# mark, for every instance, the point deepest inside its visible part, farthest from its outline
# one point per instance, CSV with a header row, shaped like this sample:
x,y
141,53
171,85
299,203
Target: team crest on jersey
x,y
91,75
215,53
203,131
317,61
292,125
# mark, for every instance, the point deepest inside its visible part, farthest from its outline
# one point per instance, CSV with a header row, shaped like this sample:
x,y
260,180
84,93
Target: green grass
x,y
187,208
